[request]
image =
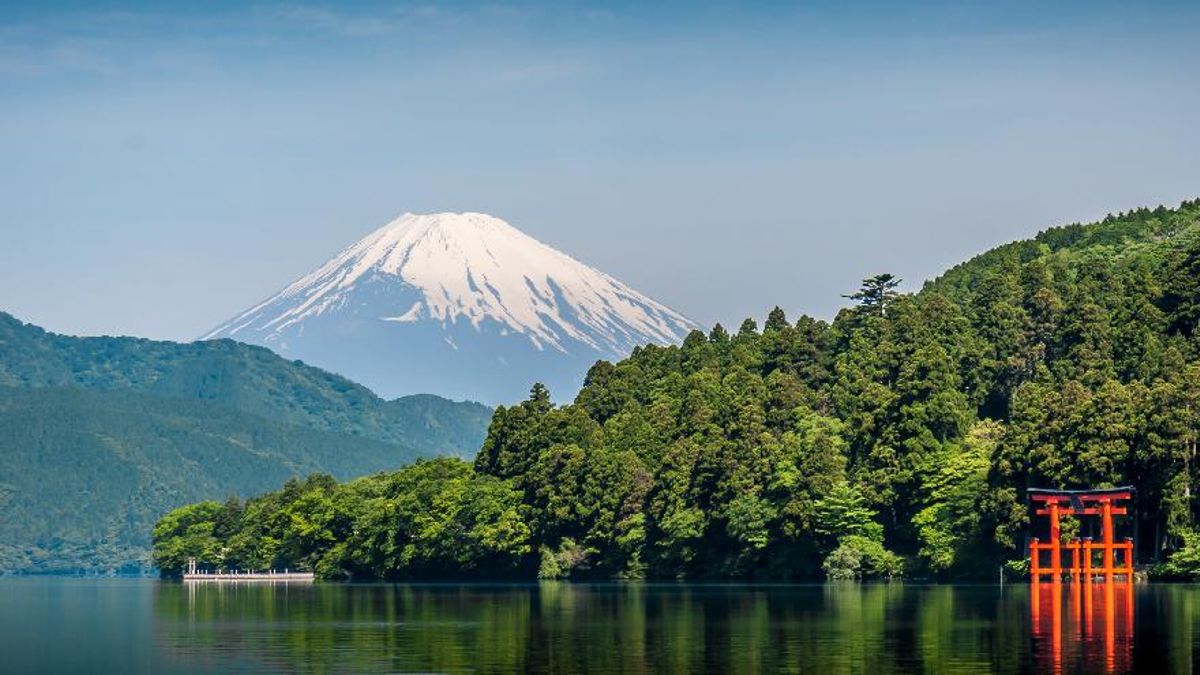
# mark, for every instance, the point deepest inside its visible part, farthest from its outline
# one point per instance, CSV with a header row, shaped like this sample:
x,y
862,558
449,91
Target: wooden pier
x,y
244,576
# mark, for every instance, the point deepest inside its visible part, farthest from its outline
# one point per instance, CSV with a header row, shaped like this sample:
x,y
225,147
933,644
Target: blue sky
x,y
166,165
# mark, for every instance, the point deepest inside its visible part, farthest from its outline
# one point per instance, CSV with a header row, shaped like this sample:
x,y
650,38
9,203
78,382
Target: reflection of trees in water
x,y
637,627
1179,605
324,627
978,629
553,626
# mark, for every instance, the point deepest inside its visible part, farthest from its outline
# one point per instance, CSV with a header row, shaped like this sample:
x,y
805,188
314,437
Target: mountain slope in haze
x,y
462,305
101,436
245,378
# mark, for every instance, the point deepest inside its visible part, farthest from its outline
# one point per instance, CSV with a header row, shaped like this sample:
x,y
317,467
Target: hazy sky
x,y
163,166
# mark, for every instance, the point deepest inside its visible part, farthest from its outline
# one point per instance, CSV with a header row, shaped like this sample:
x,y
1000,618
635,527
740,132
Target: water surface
x,y
121,626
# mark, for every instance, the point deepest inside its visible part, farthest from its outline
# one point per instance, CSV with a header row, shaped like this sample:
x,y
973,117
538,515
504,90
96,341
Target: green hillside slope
x,y
250,379
84,474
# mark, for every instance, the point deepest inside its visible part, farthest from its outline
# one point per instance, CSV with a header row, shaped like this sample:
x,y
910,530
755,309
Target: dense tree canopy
x,y
898,438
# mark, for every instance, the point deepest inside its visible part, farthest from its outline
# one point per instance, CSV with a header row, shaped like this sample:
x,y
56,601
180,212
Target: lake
x,y
137,625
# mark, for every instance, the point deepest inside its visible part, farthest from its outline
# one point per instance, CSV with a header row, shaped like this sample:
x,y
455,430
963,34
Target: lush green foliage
x,y
858,557
1184,562
99,437
909,426
421,521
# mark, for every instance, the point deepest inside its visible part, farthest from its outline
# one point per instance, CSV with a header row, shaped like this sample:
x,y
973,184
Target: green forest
x,y
897,439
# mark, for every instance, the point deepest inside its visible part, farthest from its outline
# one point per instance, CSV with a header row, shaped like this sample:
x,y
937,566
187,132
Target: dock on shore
x,y
240,576
236,577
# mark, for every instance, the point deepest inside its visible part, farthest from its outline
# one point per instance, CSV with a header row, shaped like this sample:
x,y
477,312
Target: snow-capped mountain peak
x,y
468,274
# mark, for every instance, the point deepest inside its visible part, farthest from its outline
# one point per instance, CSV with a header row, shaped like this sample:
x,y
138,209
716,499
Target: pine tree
x,y
876,294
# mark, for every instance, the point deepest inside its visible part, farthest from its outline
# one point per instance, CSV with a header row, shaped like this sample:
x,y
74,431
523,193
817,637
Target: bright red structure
x,y
1105,503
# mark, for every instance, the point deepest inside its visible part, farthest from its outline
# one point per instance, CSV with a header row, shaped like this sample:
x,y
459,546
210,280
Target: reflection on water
x,y
49,625
1096,628
559,627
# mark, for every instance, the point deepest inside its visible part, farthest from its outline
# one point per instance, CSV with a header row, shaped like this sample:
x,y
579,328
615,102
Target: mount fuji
x,y
462,305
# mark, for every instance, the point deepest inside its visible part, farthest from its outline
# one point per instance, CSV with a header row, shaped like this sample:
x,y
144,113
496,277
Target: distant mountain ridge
x,y
458,304
100,436
244,377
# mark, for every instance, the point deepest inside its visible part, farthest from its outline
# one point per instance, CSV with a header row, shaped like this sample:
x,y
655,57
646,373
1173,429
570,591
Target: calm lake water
x,y
122,626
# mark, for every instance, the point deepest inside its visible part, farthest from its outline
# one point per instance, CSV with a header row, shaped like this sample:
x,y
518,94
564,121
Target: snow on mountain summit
x,y
455,288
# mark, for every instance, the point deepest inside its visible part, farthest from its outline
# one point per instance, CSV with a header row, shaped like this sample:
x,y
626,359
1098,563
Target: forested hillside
x,y
897,439
99,437
84,474
245,378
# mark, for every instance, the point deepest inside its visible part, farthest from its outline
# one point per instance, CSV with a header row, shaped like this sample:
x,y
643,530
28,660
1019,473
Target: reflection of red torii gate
x,y
1105,503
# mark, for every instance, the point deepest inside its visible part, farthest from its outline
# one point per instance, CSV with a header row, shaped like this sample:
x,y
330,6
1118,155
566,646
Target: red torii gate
x,y
1105,503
